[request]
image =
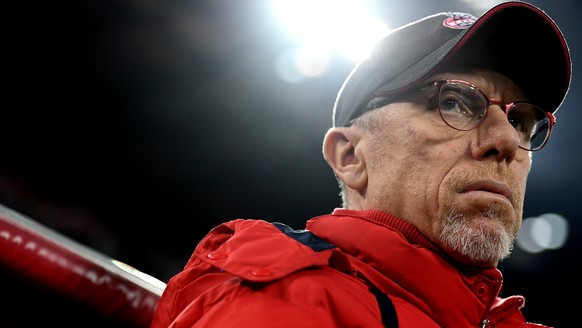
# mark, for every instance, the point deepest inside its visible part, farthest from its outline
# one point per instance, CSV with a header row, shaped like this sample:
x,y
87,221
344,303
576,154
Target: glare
x,y
297,64
323,27
286,69
311,60
545,232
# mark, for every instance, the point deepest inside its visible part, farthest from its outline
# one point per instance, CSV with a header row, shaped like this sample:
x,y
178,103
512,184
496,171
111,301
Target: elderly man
x,y
432,143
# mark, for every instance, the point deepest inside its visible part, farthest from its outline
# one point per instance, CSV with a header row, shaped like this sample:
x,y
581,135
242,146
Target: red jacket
x,y
251,273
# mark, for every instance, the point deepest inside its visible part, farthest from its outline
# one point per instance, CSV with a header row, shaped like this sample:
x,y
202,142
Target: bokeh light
x,y
545,232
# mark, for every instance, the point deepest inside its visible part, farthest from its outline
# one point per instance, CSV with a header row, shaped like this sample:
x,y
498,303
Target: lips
x,y
491,186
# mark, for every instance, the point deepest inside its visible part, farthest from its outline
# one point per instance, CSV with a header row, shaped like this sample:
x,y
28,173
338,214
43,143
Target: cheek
x,y
520,173
403,147
408,158
424,155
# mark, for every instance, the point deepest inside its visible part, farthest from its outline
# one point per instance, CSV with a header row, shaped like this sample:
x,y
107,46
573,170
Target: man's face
x,y
464,190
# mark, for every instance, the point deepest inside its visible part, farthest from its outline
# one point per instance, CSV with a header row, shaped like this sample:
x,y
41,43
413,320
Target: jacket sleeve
x,y
241,304
319,297
249,274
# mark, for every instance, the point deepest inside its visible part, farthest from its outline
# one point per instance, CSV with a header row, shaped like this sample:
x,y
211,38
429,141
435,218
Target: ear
x,y
342,151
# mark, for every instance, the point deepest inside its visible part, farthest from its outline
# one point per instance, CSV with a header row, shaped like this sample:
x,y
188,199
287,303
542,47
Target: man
x,y
432,142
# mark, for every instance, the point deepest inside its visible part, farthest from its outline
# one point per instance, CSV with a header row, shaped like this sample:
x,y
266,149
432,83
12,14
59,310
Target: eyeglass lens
x,y
463,107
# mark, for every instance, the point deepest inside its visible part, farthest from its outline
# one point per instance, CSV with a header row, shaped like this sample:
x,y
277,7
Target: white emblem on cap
x,y
459,20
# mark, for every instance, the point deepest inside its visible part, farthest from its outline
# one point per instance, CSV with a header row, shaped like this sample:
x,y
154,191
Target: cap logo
x,y
459,21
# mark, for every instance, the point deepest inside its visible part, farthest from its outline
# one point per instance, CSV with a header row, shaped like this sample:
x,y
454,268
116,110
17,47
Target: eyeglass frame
x,y
377,102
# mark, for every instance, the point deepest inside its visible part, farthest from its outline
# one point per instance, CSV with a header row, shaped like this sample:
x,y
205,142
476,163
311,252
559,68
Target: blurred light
x,y
311,60
345,26
286,69
548,231
295,65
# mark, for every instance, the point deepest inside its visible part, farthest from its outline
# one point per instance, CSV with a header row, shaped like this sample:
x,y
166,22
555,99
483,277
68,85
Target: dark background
x,y
134,127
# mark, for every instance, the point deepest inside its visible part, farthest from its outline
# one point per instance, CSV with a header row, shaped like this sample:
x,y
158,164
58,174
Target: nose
x,y
495,137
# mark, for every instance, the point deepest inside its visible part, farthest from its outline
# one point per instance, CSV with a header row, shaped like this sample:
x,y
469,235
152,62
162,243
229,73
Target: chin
x,y
480,240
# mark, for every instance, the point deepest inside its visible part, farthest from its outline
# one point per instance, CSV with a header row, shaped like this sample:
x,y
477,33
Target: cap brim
x,y
523,43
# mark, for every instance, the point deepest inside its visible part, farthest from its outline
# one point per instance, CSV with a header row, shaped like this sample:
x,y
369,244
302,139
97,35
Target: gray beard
x,y
478,241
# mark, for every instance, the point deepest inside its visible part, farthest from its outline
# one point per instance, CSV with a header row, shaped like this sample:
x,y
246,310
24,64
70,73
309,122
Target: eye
x,y
526,119
449,105
452,102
